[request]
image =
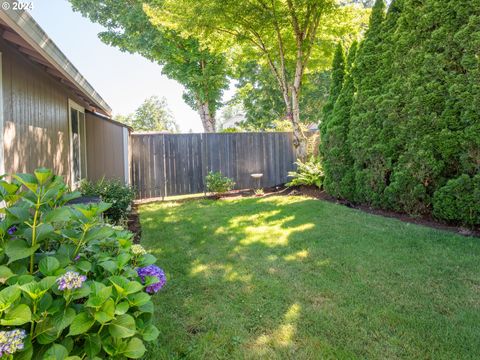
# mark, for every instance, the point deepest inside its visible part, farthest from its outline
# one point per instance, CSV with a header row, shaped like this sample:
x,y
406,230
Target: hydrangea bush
x,y
71,286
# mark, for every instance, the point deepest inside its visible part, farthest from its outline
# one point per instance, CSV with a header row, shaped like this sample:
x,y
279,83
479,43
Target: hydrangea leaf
x,y
8,296
84,266
18,315
5,273
48,265
135,349
93,345
138,299
150,333
81,324
122,327
19,249
122,308
56,352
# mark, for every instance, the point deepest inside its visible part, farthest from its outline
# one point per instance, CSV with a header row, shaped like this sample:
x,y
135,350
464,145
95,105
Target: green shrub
x,y
307,173
459,200
71,286
217,183
114,192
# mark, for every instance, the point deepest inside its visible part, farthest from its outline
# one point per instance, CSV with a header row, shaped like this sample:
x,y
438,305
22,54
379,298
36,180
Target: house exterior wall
x,y
106,149
35,109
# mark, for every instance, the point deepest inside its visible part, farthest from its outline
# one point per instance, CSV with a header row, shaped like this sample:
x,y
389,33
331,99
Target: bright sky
x,y
122,79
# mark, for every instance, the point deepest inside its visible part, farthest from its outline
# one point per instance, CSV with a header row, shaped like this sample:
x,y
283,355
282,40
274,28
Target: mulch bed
x,y
246,193
419,220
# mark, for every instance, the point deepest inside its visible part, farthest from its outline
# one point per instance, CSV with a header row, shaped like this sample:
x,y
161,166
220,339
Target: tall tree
x,y
202,73
152,115
288,36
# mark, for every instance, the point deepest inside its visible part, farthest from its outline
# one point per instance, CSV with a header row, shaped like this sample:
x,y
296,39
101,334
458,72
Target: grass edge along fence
x,y
177,164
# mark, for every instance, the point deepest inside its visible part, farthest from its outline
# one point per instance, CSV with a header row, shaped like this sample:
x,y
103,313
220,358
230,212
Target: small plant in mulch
x,y
308,173
218,184
259,192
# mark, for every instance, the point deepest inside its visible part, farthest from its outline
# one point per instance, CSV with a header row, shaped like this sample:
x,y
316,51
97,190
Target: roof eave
x,y
25,26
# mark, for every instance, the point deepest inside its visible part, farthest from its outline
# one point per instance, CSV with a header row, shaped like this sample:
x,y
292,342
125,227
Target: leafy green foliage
x,y
459,200
68,279
414,115
152,115
289,38
257,91
217,183
202,73
114,192
308,173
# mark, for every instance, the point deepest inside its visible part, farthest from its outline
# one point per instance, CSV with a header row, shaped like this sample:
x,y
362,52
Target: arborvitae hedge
x,y
413,133
338,72
337,161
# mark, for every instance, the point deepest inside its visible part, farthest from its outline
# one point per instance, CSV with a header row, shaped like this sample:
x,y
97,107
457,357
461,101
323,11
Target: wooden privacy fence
x,y
176,164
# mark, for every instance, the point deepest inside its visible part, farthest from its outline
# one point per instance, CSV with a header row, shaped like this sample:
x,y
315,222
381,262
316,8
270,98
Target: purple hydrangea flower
x,y
12,229
71,280
11,341
152,270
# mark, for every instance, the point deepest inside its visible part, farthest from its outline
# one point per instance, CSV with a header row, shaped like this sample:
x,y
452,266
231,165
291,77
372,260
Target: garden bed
x,y
424,220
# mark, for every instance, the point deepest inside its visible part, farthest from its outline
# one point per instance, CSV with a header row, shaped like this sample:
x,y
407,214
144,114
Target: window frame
x,y
83,142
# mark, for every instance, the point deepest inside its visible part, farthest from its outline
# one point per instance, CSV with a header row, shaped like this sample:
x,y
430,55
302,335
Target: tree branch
x,y
295,24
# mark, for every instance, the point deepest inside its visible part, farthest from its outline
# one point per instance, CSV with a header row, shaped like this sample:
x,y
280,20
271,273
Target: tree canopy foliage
x,y
152,115
289,37
411,136
202,73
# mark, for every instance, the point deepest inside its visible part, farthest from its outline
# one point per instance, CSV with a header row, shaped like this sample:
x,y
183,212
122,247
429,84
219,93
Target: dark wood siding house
x,y
50,116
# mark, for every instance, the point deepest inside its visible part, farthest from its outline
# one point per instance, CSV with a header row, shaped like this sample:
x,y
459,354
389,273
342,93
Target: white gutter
x,y
26,27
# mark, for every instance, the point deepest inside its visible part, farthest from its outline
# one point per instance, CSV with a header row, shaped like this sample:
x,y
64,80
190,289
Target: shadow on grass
x,y
290,277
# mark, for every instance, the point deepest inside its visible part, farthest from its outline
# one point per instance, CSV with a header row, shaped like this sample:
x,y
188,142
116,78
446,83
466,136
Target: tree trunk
x,y
208,119
299,139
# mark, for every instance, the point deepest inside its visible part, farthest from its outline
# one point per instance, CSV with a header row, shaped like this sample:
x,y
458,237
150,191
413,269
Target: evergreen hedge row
x,y
404,131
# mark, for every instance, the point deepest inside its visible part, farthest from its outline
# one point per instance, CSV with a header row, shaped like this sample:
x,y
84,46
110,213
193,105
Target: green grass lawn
x,y
297,278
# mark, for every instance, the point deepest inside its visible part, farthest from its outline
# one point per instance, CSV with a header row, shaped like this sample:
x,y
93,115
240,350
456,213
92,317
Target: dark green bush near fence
x,y
72,286
114,192
414,121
